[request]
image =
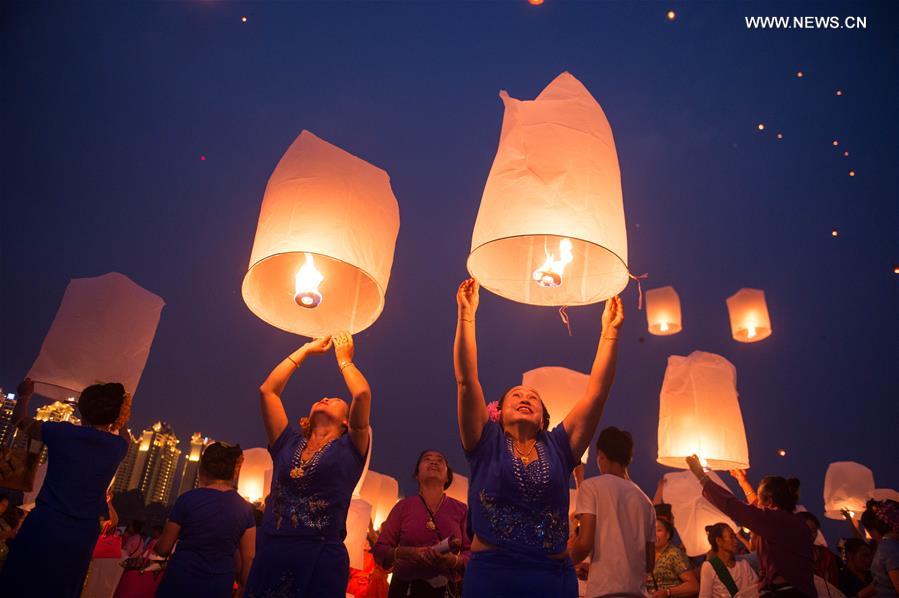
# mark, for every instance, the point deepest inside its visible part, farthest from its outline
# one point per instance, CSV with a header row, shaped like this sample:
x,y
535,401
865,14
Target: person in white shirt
x,y
617,522
723,575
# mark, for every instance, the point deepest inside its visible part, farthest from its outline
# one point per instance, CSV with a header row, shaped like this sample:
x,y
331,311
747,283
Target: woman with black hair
x,y
61,531
856,578
786,561
210,523
881,519
416,525
672,574
722,575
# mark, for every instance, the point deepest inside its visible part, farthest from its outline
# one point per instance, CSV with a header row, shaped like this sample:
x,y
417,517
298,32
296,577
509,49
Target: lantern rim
x,y
656,330
680,462
375,314
555,235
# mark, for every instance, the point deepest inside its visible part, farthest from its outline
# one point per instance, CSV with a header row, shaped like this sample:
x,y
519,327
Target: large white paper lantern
x,y
357,491
885,494
847,485
459,488
254,482
102,332
663,311
357,518
381,492
749,320
550,229
699,413
324,243
559,389
692,512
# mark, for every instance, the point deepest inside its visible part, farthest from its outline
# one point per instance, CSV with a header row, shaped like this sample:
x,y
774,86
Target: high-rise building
x,y
190,477
122,479
7,404
154,467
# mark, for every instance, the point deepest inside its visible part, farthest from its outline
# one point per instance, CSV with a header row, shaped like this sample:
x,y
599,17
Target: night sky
x,y
108,109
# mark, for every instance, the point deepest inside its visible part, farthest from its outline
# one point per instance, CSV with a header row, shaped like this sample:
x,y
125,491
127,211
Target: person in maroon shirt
x,y
786,559
415,525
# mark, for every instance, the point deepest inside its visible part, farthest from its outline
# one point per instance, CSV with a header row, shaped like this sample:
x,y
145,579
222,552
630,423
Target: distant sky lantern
x,y
559,389
749,320
663,311
357,519
550,229
781,453
257,462
847,485
324,244
846,154
102,332
780,135
896,269
839,92
835,143
834,233
761,126
459,488
699,413
851,173
535,2
671,15
243,19
799,74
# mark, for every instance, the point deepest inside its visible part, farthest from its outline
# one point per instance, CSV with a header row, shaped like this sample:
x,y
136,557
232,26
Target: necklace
x,y
431,524
525,457
299,466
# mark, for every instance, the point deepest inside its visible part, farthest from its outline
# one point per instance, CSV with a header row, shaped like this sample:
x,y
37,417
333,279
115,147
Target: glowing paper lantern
x,y
663,311
550,229
459,488
255,480
559,389
847,485
699,413
749,321
357,518
691,511
885,494
381,492
324,243
102,332
357,491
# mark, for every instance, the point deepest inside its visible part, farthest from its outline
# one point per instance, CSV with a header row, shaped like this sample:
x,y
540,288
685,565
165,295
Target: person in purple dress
x,y
786,558
520,470
299,547
59,534
424,540
210,524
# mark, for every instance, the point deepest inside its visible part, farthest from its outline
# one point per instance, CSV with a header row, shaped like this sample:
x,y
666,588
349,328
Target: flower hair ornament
x,y
493,411
888,512
124,413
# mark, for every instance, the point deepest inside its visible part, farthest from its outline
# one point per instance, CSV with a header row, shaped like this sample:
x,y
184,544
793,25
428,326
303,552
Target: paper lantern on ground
x,y
357,518
324,243
749,321
699,413
559,389
847,485
251,484
550,229
663,311
691,511
102,332
381,492
459,488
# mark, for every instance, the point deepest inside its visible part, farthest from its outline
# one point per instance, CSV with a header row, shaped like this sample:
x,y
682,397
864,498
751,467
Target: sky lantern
x,y
459,488
692,512
749,321
324,243
102,332
885,494
381,492
357,518
254,482
559,389
699,413
663,311
847,485
550,229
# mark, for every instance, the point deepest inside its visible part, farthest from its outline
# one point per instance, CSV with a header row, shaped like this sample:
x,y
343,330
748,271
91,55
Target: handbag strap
x,y
724,575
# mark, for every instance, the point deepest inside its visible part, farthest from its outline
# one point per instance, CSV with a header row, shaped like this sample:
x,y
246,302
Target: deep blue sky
x,y
107,108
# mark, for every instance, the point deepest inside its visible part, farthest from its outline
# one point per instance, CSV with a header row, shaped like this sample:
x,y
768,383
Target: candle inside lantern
x,y
550,273
307,280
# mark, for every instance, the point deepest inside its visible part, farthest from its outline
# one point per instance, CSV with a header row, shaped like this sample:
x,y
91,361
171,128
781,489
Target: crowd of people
x,y
516,537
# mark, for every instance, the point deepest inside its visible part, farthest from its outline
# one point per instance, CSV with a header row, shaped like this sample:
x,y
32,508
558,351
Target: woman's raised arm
x,y
360,391
471,408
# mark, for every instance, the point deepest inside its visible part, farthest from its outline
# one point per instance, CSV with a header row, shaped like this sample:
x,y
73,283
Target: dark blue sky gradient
x,y
107,108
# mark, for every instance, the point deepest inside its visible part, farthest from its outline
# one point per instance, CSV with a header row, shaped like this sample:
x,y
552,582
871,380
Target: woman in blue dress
x,y
53,549
520,470
299,549
210,523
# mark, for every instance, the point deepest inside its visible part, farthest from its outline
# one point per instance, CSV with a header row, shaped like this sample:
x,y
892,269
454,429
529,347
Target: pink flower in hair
x,y
493,411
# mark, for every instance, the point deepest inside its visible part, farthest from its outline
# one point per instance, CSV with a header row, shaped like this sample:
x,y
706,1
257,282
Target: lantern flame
x,y
549,275
307,281
664,326
750,331
703,462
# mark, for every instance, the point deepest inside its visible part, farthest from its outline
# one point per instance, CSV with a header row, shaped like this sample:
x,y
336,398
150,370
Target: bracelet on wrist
x,y
345,365
295,363
467,319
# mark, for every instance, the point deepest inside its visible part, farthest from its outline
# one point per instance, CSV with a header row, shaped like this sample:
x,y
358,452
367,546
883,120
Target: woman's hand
x,y
445,562
739,475
421,556
343,348
25,389
612,317
467,298
696,467
318,345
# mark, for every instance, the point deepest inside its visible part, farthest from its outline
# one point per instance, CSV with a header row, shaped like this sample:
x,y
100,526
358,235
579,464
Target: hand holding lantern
x,y
343,348
612,317
695,465
318,345
468,298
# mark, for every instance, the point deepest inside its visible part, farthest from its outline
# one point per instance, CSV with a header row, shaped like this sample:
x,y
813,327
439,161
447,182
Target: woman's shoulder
x,y
456,505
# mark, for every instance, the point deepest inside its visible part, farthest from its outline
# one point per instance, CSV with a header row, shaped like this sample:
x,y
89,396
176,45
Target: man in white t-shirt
x,y
617,523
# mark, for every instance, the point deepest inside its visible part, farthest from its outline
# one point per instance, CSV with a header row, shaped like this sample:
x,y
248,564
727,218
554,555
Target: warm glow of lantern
x,y
782,453
381,492
559,389
846,154
663,315
459,488
835,143
895,269
761,126
749,320
535,2
847,485
780,135
839,92
699,413
671,15
851,173
799,74
357,518
251,483
555,182
243,19
322,201
834,233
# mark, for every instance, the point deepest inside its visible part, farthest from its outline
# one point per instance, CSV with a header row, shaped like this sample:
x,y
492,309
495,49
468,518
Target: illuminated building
x,y
7,404
58,411
190,474
122,479
154,467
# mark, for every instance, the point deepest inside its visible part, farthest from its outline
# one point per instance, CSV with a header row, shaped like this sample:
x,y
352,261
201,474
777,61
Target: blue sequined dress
x,y
523,511
299,547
